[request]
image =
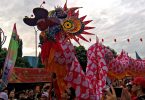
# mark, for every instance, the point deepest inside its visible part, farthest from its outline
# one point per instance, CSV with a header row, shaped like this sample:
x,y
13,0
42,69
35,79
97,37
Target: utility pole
x,y
36,46
35,41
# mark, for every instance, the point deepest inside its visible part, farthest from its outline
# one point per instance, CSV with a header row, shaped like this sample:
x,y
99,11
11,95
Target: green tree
x,y
3,53
21,62
40,65
81,54
113,51
20,52
0,42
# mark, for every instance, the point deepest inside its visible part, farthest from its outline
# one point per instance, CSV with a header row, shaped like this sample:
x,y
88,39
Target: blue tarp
x,y
33,61
137,55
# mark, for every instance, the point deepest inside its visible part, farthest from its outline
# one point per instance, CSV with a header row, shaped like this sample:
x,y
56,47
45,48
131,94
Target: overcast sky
x,y
113,19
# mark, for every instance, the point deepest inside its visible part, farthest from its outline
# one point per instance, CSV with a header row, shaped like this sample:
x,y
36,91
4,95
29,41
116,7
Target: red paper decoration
x,y
141,39
43,2
115,40
128,40
102,40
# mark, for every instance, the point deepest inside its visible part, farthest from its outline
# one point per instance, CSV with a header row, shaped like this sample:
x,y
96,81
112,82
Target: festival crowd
x,y
132,88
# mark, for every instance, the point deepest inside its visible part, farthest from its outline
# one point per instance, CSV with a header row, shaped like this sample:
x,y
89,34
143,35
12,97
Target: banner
x,y
10,58
29,75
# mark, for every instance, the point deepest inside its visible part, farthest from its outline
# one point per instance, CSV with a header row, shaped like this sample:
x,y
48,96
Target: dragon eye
x,y
73,26
68,25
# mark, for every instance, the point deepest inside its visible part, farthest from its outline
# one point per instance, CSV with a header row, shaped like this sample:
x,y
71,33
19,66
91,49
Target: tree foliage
x,y
3,53
81,54
40,65
20,51
20,61
113,51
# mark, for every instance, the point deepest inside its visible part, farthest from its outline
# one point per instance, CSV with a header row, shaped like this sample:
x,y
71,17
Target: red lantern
x,y
141,39
31,16
114,40
128,40
102,40
43,2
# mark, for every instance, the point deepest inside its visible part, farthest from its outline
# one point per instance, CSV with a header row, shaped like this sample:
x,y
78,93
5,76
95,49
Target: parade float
x,y
57,28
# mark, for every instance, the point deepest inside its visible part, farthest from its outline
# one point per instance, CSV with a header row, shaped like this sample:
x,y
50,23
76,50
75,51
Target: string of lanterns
x,y
128,40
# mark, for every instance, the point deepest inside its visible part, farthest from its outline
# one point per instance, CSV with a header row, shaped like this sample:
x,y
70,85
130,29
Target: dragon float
x,y
57,28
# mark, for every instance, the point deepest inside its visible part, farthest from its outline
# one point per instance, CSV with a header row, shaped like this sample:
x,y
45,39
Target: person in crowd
x,y
26,93
111,95
22,96
6,90
31,95
138,88
137,91
69,94
126,93
52,88
47,88
37,92
12,95
44,96
3,96
115,83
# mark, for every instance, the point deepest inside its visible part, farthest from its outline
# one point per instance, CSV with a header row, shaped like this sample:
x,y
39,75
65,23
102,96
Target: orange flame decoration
x,y
74,27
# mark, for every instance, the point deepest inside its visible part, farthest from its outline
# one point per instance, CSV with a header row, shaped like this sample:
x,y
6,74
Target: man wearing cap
x,y
138,87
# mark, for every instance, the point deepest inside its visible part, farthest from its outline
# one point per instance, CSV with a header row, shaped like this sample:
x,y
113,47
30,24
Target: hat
x,y
45,94
3,95
39,13
139,81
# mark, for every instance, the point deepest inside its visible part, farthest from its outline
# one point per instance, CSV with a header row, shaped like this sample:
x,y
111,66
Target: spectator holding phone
x,y
117,94
111,95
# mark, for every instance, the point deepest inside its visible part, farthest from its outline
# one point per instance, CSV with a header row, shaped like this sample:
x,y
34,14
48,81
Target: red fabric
x,y
42,25
134,98
46,47
139,81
